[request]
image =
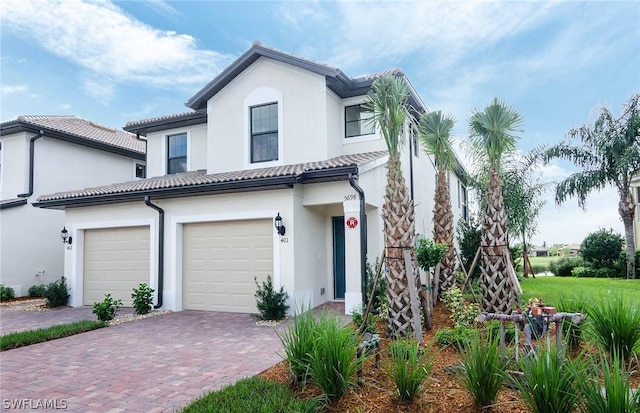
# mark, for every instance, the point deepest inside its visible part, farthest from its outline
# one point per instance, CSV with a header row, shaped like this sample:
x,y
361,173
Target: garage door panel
x,y
116,260
220,261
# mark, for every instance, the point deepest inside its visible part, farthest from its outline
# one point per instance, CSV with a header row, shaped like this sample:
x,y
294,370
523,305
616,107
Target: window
x,y
176,153
264,133
463,202
358,121
141,171
414,142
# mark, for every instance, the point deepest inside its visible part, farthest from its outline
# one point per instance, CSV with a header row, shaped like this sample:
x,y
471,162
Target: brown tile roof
x,y
82,128
173,116
201,178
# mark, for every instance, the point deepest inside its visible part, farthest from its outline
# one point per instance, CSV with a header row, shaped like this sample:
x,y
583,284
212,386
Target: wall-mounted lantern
x,y
279,225
64,234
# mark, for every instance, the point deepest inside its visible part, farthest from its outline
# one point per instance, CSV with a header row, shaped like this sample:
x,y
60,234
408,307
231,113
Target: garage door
x,y
116,260
220,261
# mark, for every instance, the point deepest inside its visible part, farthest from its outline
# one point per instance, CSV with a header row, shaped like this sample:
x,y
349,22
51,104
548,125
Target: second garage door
x,y
220,261
116,260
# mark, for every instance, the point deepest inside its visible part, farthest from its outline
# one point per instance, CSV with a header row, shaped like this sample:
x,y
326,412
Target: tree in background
x,y
602,248
608,153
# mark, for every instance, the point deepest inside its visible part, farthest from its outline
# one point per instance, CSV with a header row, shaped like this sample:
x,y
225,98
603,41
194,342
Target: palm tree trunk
x,y
497,291
626,209
443,232
399,233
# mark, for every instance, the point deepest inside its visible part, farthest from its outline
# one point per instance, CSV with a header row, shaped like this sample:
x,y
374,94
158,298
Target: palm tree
x,y
387,99
434,131
608,154
491,133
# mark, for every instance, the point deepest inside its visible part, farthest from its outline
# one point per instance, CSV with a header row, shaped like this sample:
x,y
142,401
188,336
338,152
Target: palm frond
x,y
580,185
434,133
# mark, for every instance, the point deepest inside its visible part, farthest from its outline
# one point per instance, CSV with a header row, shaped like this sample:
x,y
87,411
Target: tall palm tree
x,y
387,99
434,132
608,154
491,133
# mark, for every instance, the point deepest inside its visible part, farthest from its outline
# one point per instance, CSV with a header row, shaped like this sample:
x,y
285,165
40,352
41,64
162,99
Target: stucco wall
x,y
15,154
196,149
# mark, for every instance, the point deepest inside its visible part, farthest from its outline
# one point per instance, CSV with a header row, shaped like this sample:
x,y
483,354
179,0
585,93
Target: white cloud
x,y
102,39
161,7
13,89
101,89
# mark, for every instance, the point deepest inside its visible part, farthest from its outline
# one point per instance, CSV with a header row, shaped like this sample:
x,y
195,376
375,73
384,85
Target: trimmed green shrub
x,y
6,293
483,369
409,367
602,248
26,338
614,325
37,290
357,317
107,309
253,394
462,314
591,272
142,298
562,267
57,293
297,341
614,394
271,303
429,253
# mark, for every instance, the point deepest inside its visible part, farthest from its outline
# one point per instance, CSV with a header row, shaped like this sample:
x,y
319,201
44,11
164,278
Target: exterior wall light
x,y
64,234
279,225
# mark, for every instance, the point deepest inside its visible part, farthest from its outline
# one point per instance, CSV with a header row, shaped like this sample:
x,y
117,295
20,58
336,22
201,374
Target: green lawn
x,y
551,289
542,260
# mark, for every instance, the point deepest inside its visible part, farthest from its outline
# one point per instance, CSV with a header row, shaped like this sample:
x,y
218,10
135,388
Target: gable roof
x,y
201,183
341,84
77,130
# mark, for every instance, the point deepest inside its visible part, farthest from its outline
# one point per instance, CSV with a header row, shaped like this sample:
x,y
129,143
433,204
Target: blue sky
x,y
116,61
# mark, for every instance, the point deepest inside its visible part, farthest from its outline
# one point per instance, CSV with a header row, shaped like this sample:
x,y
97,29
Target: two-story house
x,y
276,170
45,154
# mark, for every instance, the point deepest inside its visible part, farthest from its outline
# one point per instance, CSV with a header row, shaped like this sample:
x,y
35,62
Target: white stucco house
x,y
273,139
45,154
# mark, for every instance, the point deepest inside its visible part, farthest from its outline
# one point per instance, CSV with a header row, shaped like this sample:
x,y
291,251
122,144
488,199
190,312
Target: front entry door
x,y
338,258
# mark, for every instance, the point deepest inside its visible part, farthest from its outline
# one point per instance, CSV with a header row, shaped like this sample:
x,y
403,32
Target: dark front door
x,y
338,257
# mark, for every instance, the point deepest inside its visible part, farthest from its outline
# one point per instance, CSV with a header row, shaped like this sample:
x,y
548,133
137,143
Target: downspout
x,y
363,238
148,203
32,148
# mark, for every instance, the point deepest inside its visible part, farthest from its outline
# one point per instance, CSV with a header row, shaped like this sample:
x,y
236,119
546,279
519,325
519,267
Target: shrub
x,y
429,253
271,303
57,293
591,272
539,268
357,316
333,361
142,298
615,395
6,293
40,335
37,291
602,248
469,236
562,267
614,325
483,369
492,329
107,309
409,367
457,336
297,341
252,394
462,314
550,382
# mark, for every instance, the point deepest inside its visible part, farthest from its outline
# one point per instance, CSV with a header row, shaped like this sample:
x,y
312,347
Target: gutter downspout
x,y
363,238
32,150
148,203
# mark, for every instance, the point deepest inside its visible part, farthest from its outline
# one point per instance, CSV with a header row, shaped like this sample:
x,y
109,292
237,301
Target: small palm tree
x,y
491,133
387,99
434,131
609,154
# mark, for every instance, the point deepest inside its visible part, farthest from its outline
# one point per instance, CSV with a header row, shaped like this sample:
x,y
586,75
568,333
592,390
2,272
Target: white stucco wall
x,y
15,154
30,242
157,149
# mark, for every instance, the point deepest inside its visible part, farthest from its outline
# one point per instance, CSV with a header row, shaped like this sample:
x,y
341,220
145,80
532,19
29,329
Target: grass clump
x,y
614,325
297,342
483,369
614,394
252,394
409,367
26,338
572,332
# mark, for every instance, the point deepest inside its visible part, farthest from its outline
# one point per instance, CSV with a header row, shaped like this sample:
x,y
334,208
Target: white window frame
x,y
343,122
258,97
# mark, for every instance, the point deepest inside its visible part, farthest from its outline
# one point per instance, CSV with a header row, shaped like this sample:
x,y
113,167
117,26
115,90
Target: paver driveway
x,y
152,365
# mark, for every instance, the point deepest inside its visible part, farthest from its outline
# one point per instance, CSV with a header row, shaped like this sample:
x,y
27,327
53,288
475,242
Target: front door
x,y
338,258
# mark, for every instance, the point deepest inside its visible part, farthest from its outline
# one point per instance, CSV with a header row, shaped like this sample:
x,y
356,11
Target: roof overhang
x,y
160,124
12,203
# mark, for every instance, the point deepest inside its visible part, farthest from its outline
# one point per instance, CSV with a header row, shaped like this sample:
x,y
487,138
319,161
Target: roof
x,y
177,120
10,203
343,85
77,130
201,183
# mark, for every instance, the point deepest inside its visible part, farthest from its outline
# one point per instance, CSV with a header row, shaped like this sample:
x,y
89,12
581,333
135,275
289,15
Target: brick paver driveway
x,y
152,365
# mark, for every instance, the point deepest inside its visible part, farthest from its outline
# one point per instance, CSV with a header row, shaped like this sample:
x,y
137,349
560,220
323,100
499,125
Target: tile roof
x,y
82,128
199,178
170,117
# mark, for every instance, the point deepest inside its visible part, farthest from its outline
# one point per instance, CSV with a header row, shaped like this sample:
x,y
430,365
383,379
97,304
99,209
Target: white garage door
x,y
220,261
116,260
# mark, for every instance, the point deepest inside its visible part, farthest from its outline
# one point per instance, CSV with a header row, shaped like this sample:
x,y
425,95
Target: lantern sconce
x,y
279,225
64,234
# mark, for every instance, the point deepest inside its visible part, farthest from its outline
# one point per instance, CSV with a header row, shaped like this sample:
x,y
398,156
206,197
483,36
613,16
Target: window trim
x,y
169,158
360,122
260,96
269,132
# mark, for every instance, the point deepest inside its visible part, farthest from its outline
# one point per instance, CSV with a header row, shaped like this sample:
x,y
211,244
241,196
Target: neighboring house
x,y
573,250
45,154
274,139
539,252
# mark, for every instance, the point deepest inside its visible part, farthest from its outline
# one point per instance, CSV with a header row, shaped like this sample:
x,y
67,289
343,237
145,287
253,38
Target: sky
x,y
556,62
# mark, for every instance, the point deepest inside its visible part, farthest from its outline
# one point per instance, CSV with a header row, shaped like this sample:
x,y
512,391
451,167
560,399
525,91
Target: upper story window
x,y
358,121
141,170
177,153
264,133
462,201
